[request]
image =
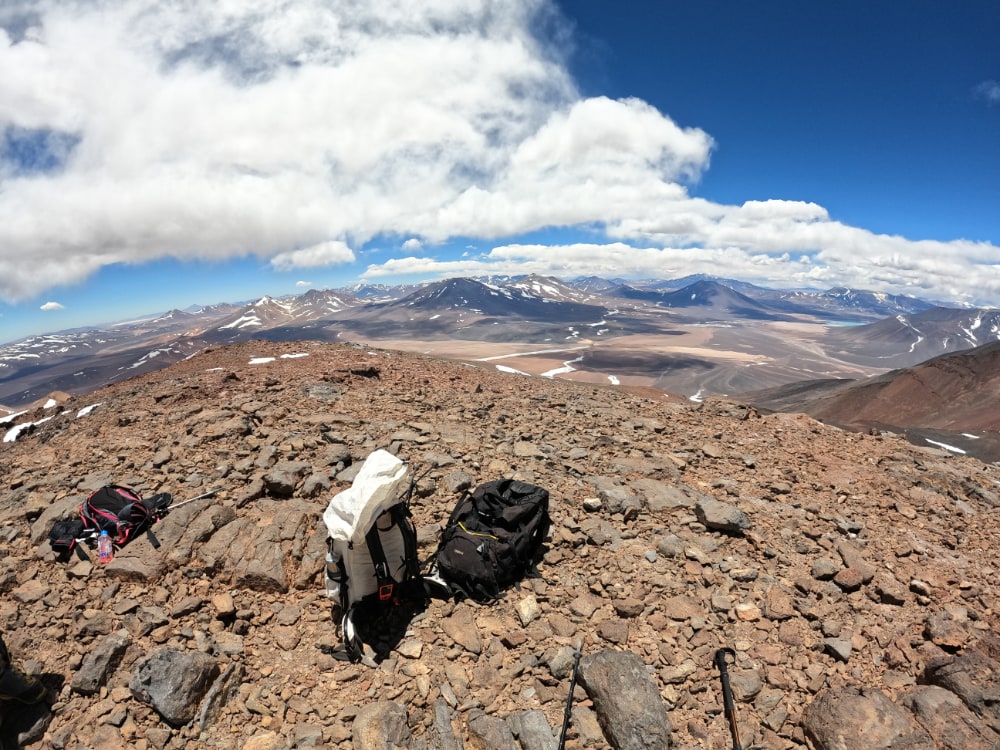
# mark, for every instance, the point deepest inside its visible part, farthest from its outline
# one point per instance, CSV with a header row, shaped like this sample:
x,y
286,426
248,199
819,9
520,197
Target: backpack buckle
x,y
385,591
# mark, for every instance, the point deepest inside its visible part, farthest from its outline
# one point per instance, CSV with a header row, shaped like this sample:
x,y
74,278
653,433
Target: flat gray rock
x,y
973,677
490,731
533,731
380,725
951,724
720,516
102,660
627,701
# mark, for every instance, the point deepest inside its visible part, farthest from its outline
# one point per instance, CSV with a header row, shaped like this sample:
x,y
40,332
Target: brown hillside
x,y
958,391
867,570
950,401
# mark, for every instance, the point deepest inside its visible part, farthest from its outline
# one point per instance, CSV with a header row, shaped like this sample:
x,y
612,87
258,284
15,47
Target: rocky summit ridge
x,y
854,575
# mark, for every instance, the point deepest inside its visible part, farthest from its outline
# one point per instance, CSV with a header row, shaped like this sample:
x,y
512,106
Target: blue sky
x,y
167,154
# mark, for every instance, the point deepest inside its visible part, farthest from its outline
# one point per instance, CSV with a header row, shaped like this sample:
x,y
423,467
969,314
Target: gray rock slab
x,y
973,677
380,725
139,561
489,732
442,731
173,682
223,690
660,496
720,516
102,660
532,730
949,721
627,701
616,497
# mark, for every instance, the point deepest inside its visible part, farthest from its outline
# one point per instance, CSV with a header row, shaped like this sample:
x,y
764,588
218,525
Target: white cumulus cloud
x,y
300,131
323,254
209,130
51,306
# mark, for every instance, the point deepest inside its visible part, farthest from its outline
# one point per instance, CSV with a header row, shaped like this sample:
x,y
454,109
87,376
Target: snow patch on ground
x,y
11,435
504,368
265,360
567,367
148,357
247,320
946,447
15,432
87,409
532,354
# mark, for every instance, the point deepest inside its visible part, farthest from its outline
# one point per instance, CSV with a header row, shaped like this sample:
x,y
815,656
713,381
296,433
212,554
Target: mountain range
x,y
689,338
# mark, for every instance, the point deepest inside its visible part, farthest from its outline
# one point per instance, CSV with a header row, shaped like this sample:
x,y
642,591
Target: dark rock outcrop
x,y
173,683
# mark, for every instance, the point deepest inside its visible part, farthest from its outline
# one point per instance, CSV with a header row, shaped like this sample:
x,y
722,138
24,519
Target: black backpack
x,y
66,535
118,510
493,538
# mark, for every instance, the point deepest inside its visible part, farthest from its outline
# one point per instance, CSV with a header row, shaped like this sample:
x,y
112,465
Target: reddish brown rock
x,y
850,579
778,604
862,719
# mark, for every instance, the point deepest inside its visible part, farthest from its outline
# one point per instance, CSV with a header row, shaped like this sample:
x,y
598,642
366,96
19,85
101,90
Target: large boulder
x,y
949,721
627,701
973,677
854,718
173,682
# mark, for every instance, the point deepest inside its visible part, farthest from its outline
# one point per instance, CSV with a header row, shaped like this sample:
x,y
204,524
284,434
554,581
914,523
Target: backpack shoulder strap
x,y
401,518
152,537
461,507
386,583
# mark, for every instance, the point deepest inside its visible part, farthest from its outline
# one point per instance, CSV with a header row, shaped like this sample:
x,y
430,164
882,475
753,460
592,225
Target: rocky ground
x,y
854,576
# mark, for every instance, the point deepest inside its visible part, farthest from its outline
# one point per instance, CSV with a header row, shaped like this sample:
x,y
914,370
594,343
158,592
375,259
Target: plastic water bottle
x,y
105,552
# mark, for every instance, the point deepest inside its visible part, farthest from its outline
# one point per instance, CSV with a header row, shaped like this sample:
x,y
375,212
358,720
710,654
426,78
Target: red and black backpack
x,y
119,510
122,513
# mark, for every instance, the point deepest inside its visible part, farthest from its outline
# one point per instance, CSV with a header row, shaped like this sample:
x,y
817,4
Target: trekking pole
x,y
727,693
414,478
191,500
569,700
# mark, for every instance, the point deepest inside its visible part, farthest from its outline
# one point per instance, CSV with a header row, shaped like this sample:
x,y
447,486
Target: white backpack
x,y
371,559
